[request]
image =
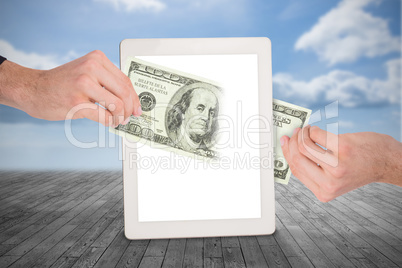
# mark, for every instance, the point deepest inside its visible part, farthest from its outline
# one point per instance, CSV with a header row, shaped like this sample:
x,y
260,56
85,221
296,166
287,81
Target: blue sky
x,y
324,52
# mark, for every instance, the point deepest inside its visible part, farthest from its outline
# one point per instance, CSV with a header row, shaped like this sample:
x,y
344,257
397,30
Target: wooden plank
x,y
325,245
314,253
375,219
174,256
5,248
6,261
133,254
287,243
274,256
30,257
105,202
193,253
36,239
114,252
109,234
33,229
64,262
363,262
40,218
309,200
29,197
272,251
377,258
111,210
230,242
213,262
233,257
90,257
341,243
157,248
52,256
378,243
252,253
88,238
151,262
300,262
212,247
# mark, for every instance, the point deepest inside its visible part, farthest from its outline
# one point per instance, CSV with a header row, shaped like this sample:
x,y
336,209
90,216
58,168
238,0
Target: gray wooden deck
x,y
75,219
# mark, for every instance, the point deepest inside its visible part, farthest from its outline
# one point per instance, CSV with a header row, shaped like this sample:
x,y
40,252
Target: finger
x,y
302,167
325,158
110,82
324,138
93,112
125,87
114,86
113,104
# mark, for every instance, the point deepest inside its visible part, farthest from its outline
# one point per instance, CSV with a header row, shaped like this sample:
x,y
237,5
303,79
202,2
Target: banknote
x,y
286,118
180,110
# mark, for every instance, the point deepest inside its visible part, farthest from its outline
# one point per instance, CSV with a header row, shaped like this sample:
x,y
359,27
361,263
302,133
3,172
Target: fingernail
x,y
282,140
139,112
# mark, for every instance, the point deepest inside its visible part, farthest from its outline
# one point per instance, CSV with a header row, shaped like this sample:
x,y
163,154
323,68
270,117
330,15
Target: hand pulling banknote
x,y
181,111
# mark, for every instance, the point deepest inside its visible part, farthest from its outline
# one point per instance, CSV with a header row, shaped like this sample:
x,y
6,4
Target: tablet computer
x,y
228,188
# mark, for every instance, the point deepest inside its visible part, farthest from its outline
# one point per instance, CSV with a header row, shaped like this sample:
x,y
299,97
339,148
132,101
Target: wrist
x,y
16,85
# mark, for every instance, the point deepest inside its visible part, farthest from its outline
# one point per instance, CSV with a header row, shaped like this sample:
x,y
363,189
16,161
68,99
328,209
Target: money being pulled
x,y
180,110
170,122
286,118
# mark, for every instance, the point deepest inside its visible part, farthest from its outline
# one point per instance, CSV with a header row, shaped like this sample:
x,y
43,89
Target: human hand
x,y
348,162
71,90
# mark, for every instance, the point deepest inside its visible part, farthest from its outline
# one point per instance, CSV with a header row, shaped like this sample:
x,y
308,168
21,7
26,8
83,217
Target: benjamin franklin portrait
x,y
192,117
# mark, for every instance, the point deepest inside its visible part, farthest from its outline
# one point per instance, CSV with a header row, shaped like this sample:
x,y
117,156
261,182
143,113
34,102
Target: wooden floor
x,y
75,219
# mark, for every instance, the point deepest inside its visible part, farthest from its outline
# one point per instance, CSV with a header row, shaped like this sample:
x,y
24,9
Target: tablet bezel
x,y
261,46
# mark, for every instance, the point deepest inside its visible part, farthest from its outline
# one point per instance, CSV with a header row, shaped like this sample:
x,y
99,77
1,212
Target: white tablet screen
x,y
176,188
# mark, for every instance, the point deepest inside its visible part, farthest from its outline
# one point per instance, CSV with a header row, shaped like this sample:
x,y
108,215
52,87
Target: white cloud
x,y
350,89
347,32
33,60
136,5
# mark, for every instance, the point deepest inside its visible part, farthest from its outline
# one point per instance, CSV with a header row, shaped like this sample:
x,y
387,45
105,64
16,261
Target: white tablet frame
x,y
261,46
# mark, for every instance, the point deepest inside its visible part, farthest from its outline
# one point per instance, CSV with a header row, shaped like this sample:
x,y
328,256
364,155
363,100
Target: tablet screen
x,y
172,187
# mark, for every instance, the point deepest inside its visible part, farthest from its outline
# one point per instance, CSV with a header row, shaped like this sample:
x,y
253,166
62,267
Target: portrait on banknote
x,y
191,119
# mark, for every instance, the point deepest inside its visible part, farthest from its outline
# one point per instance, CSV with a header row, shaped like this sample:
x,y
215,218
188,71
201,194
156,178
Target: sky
x,y
341,59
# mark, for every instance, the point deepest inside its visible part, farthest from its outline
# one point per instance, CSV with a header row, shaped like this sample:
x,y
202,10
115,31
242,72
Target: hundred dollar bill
x,y
180,110
286,118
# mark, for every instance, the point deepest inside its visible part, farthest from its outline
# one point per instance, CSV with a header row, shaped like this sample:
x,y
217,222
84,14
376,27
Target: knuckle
x,y
90,64
331,187
119,106
344,149
339,172
96,53
127,81
323,197
126,94
83,81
